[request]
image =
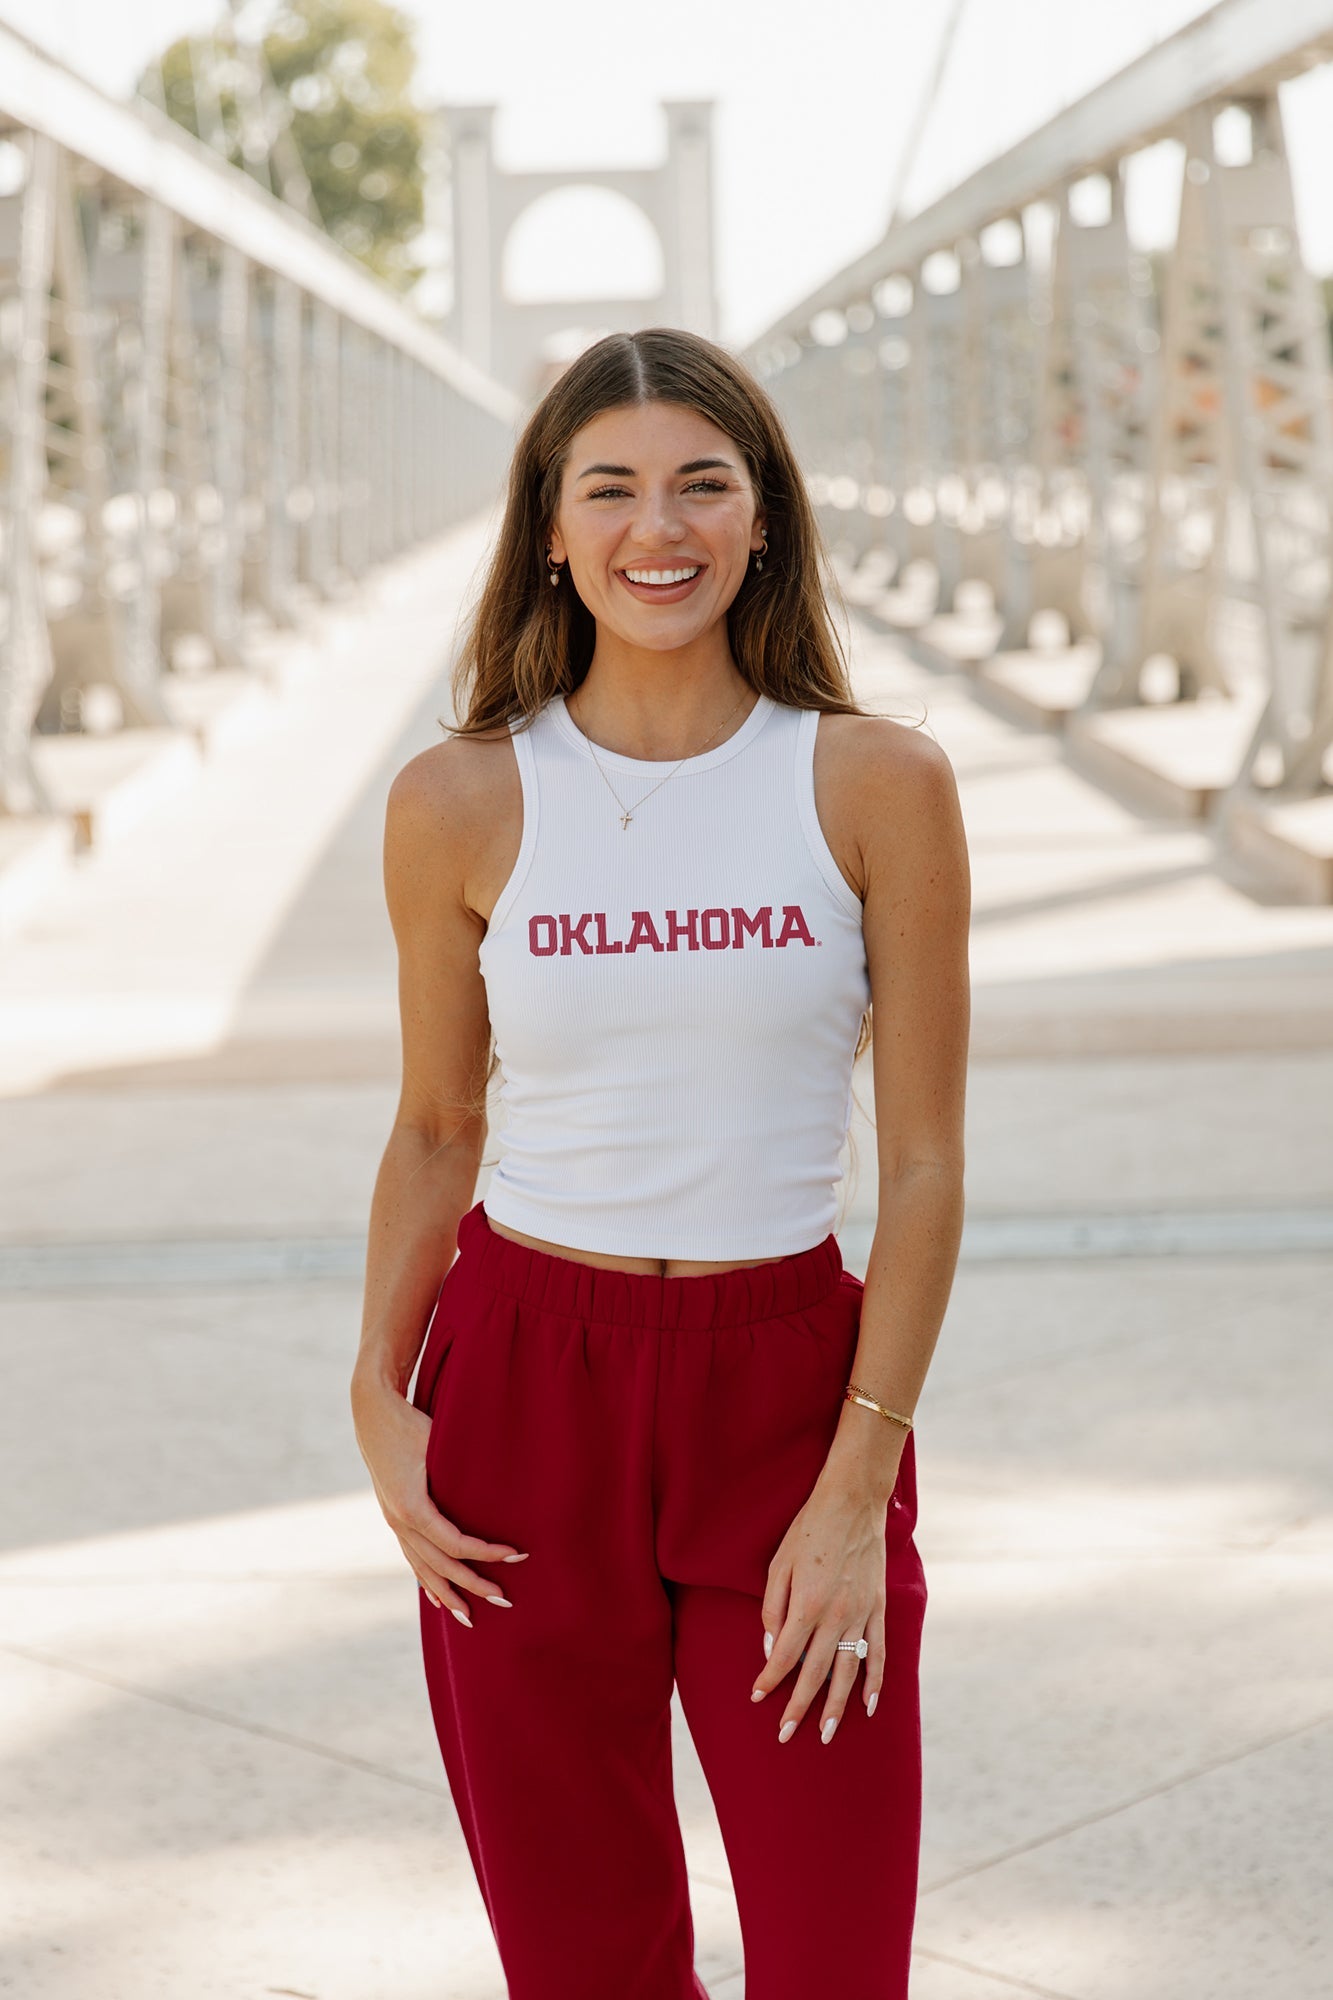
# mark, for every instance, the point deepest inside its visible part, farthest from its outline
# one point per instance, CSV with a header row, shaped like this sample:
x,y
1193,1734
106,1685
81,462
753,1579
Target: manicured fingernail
x,y
434,1600
828,1729
757,1694
768,1645
461,1616
870,1705
515,1559
787,1729
500,1600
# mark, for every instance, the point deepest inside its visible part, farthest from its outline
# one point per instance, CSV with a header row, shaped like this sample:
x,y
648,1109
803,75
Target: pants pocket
x,y
440,1331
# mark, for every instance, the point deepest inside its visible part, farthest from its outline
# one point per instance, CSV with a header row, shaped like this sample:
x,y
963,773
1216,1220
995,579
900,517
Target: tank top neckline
x,y
659,766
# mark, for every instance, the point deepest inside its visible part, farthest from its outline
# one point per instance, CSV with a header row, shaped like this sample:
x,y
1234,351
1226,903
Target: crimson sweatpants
x,y
649,1441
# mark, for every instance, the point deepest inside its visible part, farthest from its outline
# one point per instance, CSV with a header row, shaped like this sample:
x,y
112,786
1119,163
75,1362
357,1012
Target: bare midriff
x,y
653,1267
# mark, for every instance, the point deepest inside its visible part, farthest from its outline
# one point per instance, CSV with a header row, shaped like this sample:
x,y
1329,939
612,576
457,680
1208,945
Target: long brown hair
x,y
524,642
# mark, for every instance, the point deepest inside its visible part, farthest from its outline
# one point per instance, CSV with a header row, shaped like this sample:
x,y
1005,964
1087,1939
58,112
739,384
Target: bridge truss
x,y
1009,404
207,409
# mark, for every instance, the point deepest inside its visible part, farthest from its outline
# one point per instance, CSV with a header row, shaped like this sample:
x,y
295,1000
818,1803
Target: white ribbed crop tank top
x,y
676,1003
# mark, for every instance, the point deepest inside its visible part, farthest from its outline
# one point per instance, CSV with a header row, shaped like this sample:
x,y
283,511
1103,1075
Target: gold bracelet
x,y
851,1394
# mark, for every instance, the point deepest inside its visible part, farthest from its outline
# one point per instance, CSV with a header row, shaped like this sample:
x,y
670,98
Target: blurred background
x,y
1044,297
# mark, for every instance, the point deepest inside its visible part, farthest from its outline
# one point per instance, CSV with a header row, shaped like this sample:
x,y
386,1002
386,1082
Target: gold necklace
x,y
627,812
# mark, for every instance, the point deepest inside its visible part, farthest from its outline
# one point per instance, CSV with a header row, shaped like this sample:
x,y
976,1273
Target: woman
x,y
657,875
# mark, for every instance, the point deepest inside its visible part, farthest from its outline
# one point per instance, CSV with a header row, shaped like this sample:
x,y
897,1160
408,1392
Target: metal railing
x,y
207,409
1009,404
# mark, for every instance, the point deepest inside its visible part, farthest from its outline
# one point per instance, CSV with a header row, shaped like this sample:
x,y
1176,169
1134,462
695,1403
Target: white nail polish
x,y
461,1616
870,1705
786,1731
828,1728
500,1600
768,1645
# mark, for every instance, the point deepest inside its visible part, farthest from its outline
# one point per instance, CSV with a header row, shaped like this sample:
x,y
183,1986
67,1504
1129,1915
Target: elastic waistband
x,y
639,1298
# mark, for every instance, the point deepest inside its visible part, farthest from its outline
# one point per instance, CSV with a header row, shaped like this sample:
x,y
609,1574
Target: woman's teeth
x,y
661,575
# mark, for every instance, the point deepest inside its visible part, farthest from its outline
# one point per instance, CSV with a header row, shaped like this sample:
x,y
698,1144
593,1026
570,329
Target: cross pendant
x,y
625,819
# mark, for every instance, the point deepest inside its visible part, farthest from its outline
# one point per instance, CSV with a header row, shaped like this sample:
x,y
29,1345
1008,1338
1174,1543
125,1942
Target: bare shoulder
x,y
875,750
449,785
449,814
886,794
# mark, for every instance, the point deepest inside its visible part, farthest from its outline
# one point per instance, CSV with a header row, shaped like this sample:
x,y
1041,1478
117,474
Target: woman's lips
x,y
663,593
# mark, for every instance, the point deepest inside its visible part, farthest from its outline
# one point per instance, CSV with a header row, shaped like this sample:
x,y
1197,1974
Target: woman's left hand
x,y
827,1582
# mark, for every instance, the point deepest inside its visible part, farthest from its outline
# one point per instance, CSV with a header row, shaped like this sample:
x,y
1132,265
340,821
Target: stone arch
x,y
582,224
509,338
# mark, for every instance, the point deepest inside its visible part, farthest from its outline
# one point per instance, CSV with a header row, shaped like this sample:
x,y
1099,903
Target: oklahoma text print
x,y
694,930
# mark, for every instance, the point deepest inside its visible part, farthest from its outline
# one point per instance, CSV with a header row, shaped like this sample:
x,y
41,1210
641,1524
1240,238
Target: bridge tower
x,y
509,338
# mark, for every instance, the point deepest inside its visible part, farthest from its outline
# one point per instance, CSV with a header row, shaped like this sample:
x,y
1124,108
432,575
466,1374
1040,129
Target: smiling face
x,y
657,521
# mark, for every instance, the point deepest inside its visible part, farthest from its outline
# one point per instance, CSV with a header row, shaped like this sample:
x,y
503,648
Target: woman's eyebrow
x,y
627,471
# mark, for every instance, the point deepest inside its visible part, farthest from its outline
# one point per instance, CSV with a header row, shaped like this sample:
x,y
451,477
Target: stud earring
x,y
553,569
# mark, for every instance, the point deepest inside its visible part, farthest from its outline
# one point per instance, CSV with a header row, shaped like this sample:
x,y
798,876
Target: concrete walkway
x,y
220,1777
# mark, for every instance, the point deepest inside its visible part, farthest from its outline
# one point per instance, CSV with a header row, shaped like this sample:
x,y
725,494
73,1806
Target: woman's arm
x,y
917,906
427,1177
894,803
429,1170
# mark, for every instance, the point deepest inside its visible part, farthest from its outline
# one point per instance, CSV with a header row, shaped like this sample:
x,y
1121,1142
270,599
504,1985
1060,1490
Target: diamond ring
x,y
858,1646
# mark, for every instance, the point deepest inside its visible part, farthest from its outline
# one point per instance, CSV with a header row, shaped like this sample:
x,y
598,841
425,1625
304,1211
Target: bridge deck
x,y
1127,1513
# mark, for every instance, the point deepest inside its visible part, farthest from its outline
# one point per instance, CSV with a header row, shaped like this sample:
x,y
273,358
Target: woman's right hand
x,y
392,1435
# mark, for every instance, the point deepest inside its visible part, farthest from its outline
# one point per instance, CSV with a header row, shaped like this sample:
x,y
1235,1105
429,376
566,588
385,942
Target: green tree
x,y
342,71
